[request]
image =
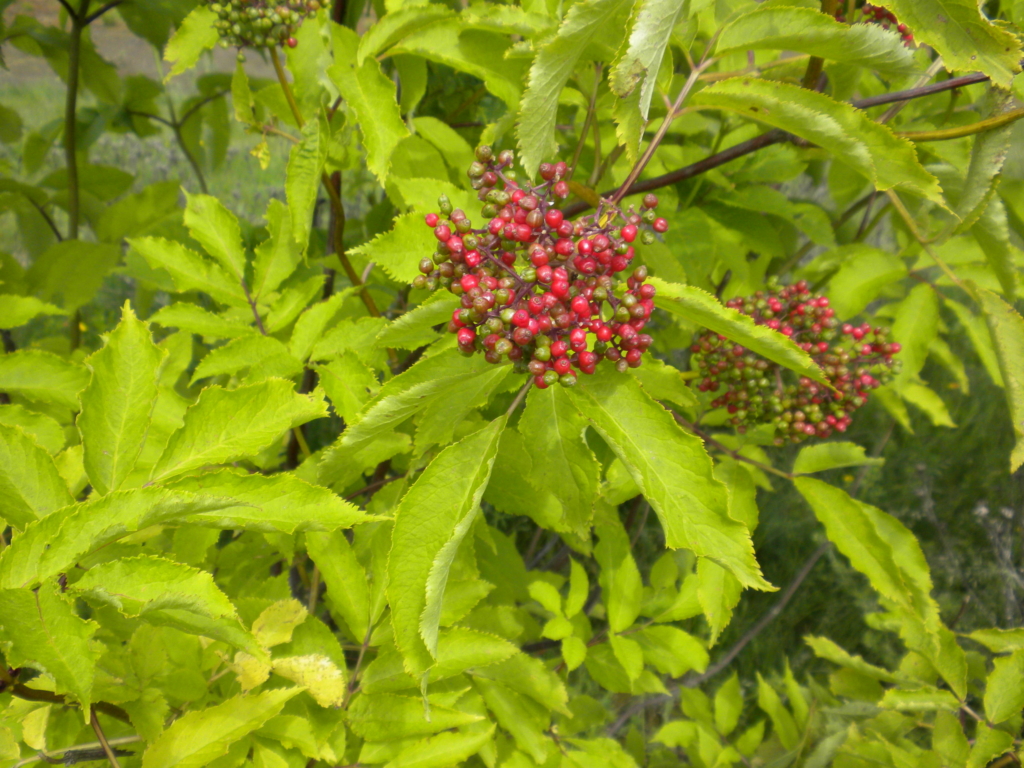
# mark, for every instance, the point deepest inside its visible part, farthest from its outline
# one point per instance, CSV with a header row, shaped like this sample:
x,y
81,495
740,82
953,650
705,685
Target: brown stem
x,y
95,723
33,694
591,110
773,137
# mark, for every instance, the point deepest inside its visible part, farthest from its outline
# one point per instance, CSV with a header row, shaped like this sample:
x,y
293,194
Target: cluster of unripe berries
x,y
755,391
535,288
260,23
878,15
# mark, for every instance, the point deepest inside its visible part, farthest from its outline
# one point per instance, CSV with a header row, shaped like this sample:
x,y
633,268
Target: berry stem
x,y
286,87
519,397
663,129
959,132
814,65
591,109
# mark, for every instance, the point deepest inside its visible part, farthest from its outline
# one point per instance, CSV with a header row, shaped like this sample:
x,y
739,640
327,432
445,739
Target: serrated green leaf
x,y
515,715
881,548
30,485
385,716
629,654
442,750
53,544
226,425
41,428
809,31
915,325
190,271
782,720
1004,694
118,403
1007,329
416,327
349,384
989,743
1000,640
18,310
216,228
430,523
441,416
824,456
671,650
702,308
399,250
826,649
194,319
393,26
992,233
40,629
347,590
241,96
728,705
281,503
928,400
371,95
663,382
313,322
42,377
551,69
409,393
718,592
251,351
165,593
579,589
199,737
852,137
195,35
279,255
962,36
479,54
865,272
302,181
621,586
673,471
564,464
634,72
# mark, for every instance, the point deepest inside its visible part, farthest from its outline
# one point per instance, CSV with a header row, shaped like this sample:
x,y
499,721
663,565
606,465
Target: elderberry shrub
x,y
537,289
260,23
855,359
878,15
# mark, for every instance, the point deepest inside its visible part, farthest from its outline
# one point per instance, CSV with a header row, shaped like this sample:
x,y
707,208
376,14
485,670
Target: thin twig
x,y
945,134
591,110
773,137
199,105
519,397
684,92
896,108
93,16
95,723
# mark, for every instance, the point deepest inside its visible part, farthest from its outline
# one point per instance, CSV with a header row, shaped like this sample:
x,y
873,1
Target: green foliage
x,y
256,508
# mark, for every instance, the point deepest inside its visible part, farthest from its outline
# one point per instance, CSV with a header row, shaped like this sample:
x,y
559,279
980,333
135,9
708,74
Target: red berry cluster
x,y
537,289
878,15
855,359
